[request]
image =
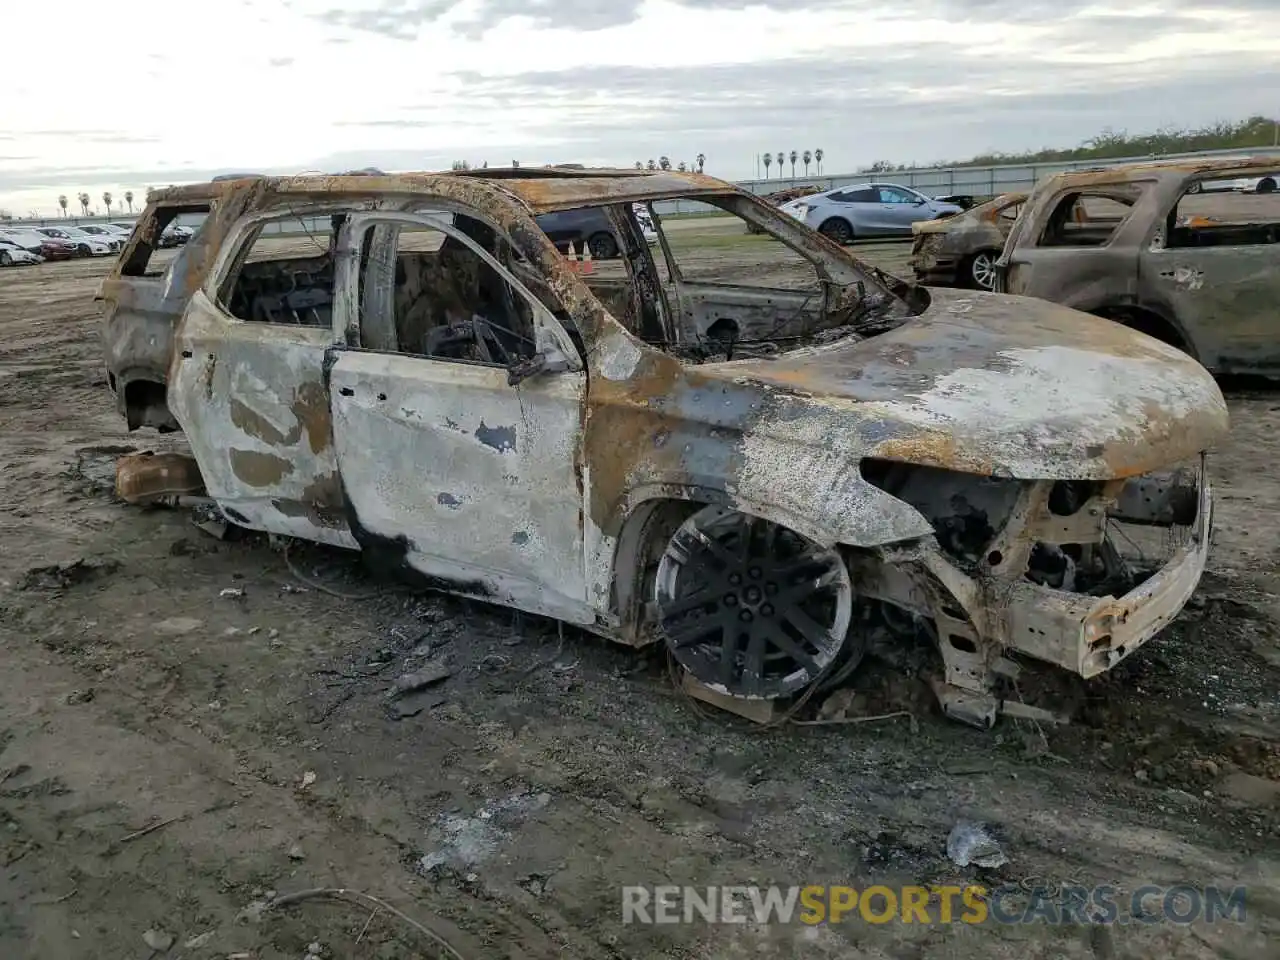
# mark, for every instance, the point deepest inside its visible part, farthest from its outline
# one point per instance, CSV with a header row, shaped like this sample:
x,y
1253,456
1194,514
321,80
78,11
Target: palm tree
x,y
794,157
639,165
768,159
653,165
781,158
128,198
807,157
106,199
664,163
702,161
84,203
62,202
817,155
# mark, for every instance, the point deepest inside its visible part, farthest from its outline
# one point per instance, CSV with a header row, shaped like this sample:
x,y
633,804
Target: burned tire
x,y
749,607
1267,185
838,229
602,246
1195,188
980,272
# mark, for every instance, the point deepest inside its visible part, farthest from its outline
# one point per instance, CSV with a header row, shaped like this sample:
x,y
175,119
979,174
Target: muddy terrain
x,y
190,726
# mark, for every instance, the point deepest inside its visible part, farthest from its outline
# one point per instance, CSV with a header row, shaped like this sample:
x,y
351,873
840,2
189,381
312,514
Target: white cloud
x,y
166,95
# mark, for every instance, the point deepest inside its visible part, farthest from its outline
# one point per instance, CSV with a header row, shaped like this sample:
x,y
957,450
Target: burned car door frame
x,y
463,470
1215,283
148,305
249,392
1040,239
744,311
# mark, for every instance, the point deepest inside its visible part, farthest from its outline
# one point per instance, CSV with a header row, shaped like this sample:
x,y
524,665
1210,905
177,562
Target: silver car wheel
x,y
982,270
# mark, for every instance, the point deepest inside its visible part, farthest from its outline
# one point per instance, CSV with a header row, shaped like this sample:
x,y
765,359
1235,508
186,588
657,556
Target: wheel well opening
x,y
1144,321
641,541
725,328
146,404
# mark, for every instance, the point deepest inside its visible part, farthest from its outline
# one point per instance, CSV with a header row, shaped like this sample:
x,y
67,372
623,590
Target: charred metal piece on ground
x,y
457,402
1173,249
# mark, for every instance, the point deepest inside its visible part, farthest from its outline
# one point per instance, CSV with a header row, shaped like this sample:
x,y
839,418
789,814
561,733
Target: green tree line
x,y
1247,134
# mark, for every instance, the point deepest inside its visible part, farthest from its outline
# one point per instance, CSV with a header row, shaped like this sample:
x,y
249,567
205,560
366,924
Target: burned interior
x,y
757,471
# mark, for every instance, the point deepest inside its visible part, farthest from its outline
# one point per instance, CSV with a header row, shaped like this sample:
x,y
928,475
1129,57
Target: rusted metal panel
x,y
469,480
252,401
1166,170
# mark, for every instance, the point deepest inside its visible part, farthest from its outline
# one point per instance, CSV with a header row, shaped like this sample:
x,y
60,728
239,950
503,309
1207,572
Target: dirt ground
x,y
253,731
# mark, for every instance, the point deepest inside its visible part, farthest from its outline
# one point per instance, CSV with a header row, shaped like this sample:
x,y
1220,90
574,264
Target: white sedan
x,y
11,254
107,231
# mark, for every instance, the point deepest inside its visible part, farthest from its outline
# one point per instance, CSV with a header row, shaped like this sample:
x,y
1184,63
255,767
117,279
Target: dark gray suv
x,y
589,225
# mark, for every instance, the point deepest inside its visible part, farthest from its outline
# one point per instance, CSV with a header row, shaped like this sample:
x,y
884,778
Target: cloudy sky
x,y
125,94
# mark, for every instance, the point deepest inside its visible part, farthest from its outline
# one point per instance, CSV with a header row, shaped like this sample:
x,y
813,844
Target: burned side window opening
x,y
605,244
1225,213
426,293
284,274
1083,219
1010,213
156,230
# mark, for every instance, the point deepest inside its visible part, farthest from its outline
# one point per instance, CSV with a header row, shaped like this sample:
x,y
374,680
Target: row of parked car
x,y
25,245
958,242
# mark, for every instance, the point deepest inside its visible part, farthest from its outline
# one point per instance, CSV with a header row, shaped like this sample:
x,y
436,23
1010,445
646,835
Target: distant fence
x,y
977,181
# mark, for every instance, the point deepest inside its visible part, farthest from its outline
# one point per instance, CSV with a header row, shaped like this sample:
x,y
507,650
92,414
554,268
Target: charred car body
x,y
1162,251
438,388
961,251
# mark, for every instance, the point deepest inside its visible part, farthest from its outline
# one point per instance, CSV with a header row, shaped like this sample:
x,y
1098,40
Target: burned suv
x,y
1173,249
760,465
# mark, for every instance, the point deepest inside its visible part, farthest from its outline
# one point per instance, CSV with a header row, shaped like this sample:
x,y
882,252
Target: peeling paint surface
x,y
264,448
434,430
1189,278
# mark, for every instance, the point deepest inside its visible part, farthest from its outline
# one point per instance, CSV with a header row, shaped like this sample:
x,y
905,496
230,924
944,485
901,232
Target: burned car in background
x,y
778,197
1173,256
961,251
445,393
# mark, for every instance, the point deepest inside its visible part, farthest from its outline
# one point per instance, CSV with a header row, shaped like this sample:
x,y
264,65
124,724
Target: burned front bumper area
x,y
1077,574
932,262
